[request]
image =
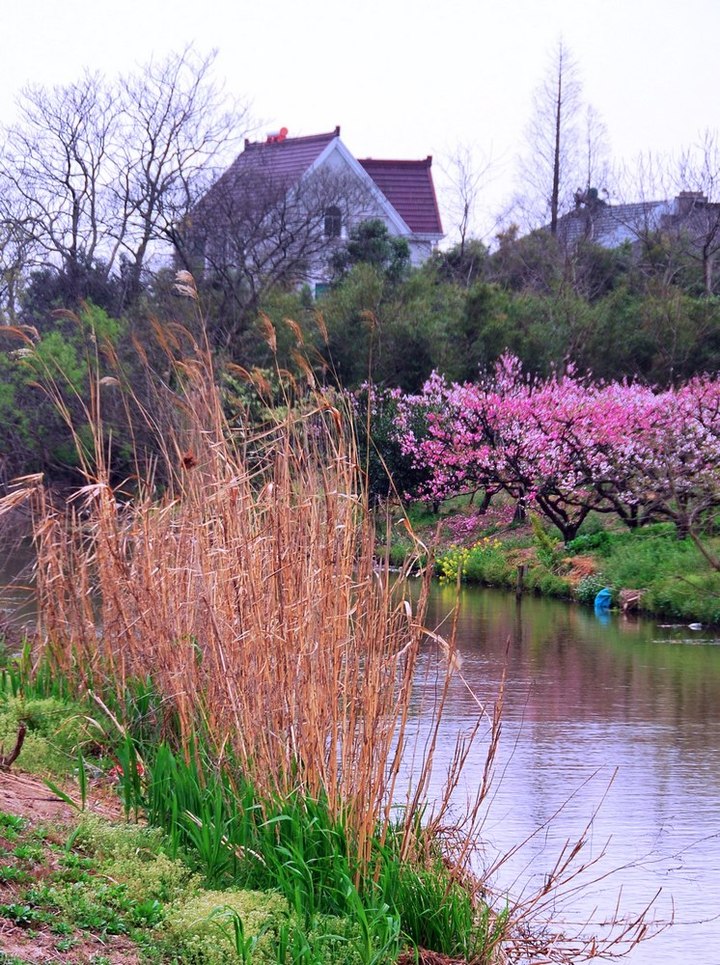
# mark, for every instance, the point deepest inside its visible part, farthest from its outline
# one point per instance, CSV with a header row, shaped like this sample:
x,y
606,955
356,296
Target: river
x,y
619,717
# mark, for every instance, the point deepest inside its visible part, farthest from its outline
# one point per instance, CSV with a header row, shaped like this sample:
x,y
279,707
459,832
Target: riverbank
x,y
649,570
259,696
252,691
118,850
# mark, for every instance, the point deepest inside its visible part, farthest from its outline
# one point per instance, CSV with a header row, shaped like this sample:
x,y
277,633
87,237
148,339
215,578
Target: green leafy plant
x,y
451,564
12,874
599,543
23,915
11,825
548,548
230,924
482,562
589,587
65,944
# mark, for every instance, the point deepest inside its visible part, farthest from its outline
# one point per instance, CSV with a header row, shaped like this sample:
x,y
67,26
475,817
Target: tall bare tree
x,y
60,160
17,250
550,166
698,215
595,153
467,171
179,127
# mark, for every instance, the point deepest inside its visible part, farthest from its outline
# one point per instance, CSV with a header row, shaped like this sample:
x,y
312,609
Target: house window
x,y
321,288
333,222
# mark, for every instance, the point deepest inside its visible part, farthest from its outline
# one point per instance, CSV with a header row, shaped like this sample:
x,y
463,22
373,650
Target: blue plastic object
x,y
603,600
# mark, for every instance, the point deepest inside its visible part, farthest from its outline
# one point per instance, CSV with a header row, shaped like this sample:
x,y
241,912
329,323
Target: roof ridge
x,y
303,138
425,162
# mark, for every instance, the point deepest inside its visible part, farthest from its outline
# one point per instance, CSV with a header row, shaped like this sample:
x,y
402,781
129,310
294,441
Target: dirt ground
x,y
28,797
15,943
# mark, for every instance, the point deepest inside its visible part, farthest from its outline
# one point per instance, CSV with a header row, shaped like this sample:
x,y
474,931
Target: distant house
x,y
286,203
689,218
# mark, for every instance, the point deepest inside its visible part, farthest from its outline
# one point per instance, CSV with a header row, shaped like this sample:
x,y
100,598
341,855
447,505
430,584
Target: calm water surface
x,y
17,606
623,716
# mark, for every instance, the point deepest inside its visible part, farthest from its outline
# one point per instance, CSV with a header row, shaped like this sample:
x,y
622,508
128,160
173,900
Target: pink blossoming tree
x,y
566,445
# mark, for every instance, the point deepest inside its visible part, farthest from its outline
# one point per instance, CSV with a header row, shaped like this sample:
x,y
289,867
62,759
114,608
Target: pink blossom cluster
x,y
566,445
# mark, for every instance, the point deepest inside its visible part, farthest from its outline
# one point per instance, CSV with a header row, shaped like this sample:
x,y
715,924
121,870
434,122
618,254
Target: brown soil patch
x,y
40,947
29,797
580,567
522,555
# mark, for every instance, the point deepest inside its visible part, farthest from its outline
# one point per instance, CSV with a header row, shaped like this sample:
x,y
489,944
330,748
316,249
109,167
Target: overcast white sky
x,y
403,79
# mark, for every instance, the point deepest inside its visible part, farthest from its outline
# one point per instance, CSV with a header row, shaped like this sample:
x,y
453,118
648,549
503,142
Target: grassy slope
x,y
79,887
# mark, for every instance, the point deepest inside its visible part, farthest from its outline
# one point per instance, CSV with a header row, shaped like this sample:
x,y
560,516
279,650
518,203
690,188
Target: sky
x,y
403,79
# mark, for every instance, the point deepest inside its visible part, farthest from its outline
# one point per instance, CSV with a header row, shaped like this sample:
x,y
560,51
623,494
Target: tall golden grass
x,y
240,578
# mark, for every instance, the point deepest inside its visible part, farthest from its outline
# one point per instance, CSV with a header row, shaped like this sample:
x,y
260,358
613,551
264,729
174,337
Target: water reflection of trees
x,y
563,665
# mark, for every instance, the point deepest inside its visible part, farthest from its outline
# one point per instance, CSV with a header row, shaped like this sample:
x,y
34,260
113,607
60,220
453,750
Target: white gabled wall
x,y
339,163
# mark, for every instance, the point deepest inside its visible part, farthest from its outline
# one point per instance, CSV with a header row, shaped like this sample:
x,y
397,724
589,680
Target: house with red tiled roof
x,y
286,203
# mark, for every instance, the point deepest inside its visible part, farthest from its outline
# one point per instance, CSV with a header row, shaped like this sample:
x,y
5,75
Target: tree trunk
x,y
555,196
520,514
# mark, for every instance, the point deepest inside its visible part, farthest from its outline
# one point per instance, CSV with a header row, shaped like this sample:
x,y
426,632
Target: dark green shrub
x,y
640,559
599,543
548,584
695,597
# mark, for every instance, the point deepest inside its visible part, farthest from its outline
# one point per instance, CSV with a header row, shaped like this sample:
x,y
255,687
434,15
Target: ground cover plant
x,y
99,891
80,902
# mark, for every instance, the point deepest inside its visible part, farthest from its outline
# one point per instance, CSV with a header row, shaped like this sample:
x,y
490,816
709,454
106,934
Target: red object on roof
x,y
409,188
283,158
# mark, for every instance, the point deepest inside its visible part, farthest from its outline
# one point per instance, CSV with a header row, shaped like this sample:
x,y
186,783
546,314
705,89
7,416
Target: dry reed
x,y
245,588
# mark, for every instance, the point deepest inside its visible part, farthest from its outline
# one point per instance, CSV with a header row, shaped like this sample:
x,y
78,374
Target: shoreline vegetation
x,y
560,485
650,570
215,638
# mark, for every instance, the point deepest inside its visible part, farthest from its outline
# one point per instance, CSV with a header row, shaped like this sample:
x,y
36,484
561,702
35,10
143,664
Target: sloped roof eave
x,y
390,211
